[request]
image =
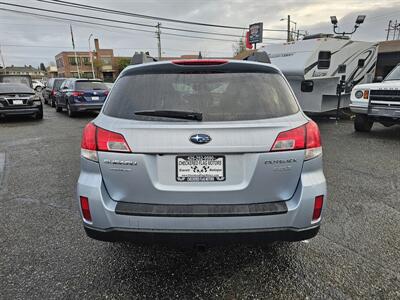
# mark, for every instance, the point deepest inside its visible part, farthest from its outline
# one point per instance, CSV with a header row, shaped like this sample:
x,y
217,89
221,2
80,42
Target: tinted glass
x,y
16,79
50,83
394,75
14,88
89,85
219,96
57,83
324,59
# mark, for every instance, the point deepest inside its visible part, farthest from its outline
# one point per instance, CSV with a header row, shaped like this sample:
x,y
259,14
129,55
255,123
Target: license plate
x,y
198,168
18,102
96,98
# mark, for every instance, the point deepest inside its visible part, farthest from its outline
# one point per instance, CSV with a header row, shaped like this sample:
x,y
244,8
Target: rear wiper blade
x,y
177,114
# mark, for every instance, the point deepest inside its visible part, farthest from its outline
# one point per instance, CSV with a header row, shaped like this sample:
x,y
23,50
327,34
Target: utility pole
x,y
2,58
91,57
158,35
395,29
288,29
388,30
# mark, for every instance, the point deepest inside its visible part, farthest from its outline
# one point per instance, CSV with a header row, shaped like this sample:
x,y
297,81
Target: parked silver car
x,y
201,151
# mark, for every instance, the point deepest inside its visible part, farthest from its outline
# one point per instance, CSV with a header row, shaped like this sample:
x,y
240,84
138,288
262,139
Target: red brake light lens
x,y
199,62
318,203
98,139
85,208
293,139
89,137
111,141
303,137
76,94
313,135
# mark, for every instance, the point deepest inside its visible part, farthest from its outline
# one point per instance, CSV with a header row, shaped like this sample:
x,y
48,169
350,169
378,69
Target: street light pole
x,y
288,28
91,56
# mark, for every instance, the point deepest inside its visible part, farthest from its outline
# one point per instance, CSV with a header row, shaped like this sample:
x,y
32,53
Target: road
x,y
45,253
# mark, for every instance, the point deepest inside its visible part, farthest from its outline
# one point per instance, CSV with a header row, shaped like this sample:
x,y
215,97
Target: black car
x,y
79,95
19,99
49,92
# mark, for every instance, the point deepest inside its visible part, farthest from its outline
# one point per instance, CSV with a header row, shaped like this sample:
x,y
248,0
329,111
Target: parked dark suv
x,y
49,92
78,95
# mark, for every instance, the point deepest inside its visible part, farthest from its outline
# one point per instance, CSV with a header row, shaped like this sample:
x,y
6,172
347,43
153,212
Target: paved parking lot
x,y
45,254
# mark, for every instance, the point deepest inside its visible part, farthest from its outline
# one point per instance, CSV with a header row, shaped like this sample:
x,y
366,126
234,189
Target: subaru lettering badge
x,y
200,138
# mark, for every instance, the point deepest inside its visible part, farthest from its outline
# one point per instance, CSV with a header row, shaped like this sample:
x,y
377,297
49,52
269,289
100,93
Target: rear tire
x,y
52,103
362,123
45,101
58,108
71,113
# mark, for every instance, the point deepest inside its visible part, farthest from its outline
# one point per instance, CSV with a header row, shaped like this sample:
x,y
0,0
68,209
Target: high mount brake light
x,y
304,137
98,139
199,62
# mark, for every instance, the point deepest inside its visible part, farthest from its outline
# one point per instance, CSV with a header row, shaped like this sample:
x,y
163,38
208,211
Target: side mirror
x,y
379,79
307,86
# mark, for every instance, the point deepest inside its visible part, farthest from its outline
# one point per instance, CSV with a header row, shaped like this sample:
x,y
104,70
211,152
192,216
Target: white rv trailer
x,y
314,66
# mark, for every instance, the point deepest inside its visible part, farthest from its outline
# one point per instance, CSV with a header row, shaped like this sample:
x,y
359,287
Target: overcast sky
x,y
31,40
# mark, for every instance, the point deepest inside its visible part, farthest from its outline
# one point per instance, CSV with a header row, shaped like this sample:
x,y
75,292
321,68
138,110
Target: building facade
x,y
104,64
25,70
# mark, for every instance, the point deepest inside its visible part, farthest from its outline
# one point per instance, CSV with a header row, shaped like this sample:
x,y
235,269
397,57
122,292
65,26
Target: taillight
x,y
111,141
318,203
98,139
304,137
85,208
76,94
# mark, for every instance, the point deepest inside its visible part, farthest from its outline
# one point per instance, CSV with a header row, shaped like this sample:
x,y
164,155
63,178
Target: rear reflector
x,y
304,137
197,62
98,139
318,203
85,208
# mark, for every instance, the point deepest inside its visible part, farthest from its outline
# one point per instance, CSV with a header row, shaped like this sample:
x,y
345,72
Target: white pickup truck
x,y
377,102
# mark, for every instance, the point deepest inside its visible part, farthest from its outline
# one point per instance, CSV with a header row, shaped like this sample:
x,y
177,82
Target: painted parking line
x,y
2,167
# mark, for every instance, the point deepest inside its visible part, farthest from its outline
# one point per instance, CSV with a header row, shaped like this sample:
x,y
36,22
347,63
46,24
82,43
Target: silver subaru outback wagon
x,y
201,151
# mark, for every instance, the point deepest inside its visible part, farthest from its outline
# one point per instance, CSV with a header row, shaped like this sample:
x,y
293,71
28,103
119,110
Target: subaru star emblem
x,y
200,138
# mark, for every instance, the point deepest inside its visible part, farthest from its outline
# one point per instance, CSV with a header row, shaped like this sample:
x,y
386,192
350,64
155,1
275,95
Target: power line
x,y
164,27
119,12
113,26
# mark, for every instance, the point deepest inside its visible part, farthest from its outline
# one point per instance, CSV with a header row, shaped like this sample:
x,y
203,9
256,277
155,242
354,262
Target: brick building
x,y
103,60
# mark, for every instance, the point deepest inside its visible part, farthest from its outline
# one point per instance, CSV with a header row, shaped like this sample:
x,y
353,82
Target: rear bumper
x,y
377,111
181,238
113,220
20,111
85,106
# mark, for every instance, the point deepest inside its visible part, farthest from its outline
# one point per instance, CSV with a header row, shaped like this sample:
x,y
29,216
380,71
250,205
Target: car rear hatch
x,y
243,113
91,91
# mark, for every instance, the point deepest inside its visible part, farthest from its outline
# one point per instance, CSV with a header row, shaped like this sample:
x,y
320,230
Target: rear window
x,y
218,96
90,85
57,83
